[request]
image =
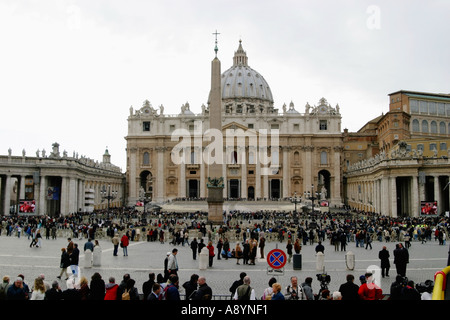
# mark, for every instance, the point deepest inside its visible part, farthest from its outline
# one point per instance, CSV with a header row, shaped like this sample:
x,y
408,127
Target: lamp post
x,y
295,202
109,195
312,198
143,197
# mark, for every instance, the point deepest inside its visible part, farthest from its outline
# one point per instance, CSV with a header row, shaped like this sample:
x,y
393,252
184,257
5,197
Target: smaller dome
x,y
292,108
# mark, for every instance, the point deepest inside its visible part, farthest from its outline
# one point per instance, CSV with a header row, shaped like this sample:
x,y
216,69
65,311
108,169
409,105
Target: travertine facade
x,y
57,183
304,148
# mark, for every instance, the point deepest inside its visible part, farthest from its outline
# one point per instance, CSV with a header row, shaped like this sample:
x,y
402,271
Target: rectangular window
x,y
433,146
413,104
441,109
420,147
423,107
443,146
251,126
432,107
296,127
146,126
274,126
323,125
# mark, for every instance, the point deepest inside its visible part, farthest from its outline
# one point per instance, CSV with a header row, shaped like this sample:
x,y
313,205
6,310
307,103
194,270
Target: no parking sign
x,y
276,259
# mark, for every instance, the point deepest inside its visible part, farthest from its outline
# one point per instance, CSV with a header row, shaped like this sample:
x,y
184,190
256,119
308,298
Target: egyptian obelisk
x,y
215,176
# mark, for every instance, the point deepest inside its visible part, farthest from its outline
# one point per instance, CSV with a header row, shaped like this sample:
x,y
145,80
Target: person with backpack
x,y
171,290
244,291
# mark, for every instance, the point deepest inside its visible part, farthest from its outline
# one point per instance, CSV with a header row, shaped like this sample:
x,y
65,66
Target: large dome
x,y
242,82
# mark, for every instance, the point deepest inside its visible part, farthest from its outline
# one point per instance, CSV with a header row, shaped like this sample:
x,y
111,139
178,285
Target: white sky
x,y
70,70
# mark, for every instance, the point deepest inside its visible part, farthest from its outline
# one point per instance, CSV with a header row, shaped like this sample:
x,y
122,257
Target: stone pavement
x,y
143,257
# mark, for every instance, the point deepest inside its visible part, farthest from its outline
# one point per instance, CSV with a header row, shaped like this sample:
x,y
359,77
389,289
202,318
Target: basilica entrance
x,y
234,191
275,189
251,193
146,178
193,191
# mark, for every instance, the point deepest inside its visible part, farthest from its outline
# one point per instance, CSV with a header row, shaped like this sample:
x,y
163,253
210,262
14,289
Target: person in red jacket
x,y
210,248
111,289
124,242
369,290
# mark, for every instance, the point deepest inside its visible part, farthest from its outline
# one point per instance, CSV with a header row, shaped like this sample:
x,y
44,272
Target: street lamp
x,y
143,197
295,202
312,198
108,194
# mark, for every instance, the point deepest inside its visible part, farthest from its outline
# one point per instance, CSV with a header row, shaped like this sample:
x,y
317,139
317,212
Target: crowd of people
x,y
159,287
250,230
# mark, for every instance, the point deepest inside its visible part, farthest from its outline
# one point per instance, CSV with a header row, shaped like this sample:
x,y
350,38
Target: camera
x,y
324,280
426,286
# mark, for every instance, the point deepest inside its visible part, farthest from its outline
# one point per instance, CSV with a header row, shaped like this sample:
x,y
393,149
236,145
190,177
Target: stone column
x,y
243,157
415,196
202,177
7,195
437,193
286,169
81,198
22,188
182,179
160,174
393,193
72,196
385,196
42,203
336,198
133,185
64,202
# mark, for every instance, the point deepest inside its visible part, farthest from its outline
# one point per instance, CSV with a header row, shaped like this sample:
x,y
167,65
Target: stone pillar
x,y
243,156
72,196
42,203
7,195
393,193
437,193
64,208
415,196
182,181
160,174
286,169
258,175
133,185
202,178
385,196
22,188
335,195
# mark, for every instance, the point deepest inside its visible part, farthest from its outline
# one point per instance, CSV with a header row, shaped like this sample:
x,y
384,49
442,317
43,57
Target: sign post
x,y
277,260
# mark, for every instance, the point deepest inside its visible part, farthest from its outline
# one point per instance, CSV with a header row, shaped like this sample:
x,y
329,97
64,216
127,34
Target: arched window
x,y
433,127
415,126
323,157
146,159
442,128
425,126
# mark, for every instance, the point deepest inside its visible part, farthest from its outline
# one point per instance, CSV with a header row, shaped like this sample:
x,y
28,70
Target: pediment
x,y
236,126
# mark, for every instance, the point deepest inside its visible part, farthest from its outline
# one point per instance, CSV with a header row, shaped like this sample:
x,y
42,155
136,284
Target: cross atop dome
x,y
240,56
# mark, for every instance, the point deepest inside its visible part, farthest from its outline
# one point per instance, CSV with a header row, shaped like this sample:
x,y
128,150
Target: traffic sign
x,y
276,259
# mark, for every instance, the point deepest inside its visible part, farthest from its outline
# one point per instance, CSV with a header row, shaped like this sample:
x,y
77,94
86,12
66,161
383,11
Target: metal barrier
x,y
440,284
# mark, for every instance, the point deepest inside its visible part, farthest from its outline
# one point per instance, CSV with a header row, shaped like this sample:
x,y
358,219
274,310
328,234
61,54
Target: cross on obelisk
x,y
216,48
215,174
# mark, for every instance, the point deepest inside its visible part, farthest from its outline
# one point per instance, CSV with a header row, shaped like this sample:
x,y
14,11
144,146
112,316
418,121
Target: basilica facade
x,y
269,152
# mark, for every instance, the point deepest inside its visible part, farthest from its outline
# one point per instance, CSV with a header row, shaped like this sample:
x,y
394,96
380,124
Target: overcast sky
x,y
70,70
